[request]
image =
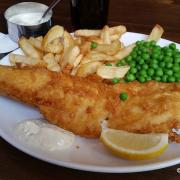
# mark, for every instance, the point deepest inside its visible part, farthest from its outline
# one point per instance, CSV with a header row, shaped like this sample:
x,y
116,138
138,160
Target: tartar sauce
x,y
28,19
40,134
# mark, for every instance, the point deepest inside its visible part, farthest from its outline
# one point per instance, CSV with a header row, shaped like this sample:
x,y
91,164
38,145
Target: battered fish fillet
x,y
80,104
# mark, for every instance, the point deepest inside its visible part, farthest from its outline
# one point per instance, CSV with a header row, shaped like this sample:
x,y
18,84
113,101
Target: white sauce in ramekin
x,y
28,19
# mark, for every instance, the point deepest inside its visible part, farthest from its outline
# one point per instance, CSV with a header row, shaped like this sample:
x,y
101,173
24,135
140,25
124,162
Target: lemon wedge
x,y
134,146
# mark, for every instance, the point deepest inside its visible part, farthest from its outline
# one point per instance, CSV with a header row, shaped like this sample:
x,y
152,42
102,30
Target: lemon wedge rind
x,y
158,143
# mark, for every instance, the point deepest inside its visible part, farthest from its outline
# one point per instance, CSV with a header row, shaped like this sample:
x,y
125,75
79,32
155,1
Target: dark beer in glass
x,y
89,14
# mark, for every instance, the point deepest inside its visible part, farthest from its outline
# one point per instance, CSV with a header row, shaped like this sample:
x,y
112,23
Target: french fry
x,y
156,33
36,43
77,60
69,56
74,70
68,40
87,32
115,37
61,51
40,38
22,60
117,30
88,68
85,47
110,72
67,69
124,52
52,65
28,49
57,57
78,41
109,49
105,35
98,40
97,56
54,47
51,42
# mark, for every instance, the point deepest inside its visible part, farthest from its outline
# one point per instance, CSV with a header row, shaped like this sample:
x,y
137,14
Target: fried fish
x,y
81,104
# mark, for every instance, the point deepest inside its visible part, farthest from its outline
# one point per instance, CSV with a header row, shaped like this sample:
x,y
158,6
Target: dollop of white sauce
x,y
28,19
42,135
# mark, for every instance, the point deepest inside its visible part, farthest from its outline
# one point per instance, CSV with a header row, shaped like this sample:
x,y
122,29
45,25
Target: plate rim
x,y
94,168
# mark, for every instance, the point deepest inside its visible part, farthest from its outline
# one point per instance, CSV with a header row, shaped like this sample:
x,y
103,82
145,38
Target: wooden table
x,y
139,16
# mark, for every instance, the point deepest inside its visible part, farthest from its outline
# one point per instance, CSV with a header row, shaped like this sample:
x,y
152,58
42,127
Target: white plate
x,y
91,154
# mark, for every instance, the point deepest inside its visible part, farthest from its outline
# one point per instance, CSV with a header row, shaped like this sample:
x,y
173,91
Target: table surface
x,y
139,16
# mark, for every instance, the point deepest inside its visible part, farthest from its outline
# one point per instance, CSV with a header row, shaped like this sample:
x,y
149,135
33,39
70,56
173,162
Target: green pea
x,y
148,78
168,72
121,63
176,68
155,55
145,56
138,43
168,59
178,79
123,96
176,51
132,64
148,61
143,42
138,67
171,79
161,56
141,61
169,65
130,77
136,49
177,75
157,52
147,45
154,65
169,54
143,73
159,72
172,46
168,51
157,78
129,58
164,78
152,43
115,80
162,64
139,52
154,61
144,49
164,49
177,59
133,70
150,72
145,66
177,55
93,45
134,55
142,79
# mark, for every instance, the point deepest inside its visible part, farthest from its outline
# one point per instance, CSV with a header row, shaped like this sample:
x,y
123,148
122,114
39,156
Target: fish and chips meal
x,y
80,80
